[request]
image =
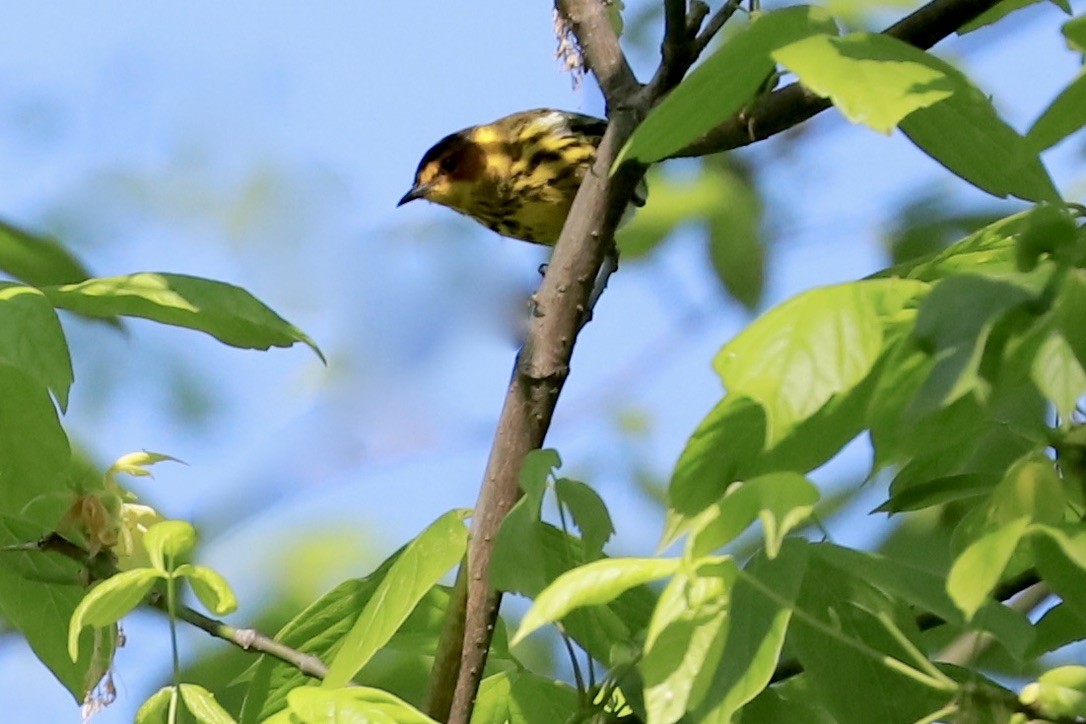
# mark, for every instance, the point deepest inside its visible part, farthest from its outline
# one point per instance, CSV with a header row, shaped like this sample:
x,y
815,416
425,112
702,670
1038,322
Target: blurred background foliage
x,y
265,144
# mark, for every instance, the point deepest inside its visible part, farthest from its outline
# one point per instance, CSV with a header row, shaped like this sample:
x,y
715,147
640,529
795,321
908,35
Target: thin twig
x,y
788,107
720,17
104,564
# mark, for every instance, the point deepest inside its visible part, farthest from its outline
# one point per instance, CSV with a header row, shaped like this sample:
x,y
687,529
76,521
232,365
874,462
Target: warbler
x,y
516,176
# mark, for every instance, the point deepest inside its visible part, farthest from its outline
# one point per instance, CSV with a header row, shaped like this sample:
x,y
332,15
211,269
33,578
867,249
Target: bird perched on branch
x,y
516,176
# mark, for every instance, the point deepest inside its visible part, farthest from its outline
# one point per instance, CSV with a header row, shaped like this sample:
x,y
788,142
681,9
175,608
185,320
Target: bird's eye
x,y
450,162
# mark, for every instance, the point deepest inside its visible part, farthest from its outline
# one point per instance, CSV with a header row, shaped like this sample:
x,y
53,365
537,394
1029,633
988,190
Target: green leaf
x,y
977,570
795,358
168,540
592,584
762,601
1074,31
536,700
995,13
1060,555
953,326
109,602
966,135
136,464
1059,693
423,562
202,705
780,500
226,312
1058,626
38,600
589,514
926,591
721,85
1071,310
37,260
845,639
210,587
871,78
1064,115
34,451
32,341
156,709
736,247
492,702
321,628
689,616
355,704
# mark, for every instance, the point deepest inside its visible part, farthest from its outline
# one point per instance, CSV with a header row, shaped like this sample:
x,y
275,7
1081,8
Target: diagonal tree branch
x,y
565,296
790,106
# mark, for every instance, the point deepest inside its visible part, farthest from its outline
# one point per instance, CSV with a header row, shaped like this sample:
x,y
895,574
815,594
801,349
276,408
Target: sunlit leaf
x,y
109,602
226,312
168,540
977,570
423,562
1059,693
210,587
722,84
762,601
821,343
872,79
314,705
688,618
592,584
202,705
996,13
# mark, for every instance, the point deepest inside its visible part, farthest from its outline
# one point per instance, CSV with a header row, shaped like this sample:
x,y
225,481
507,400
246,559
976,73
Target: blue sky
x,y
265,144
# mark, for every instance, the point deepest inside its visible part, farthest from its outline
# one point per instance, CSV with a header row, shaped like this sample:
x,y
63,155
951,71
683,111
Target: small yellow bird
x,y
516,176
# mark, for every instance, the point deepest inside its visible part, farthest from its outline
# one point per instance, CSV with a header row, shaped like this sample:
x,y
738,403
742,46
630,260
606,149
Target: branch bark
x,y
794,104
564,296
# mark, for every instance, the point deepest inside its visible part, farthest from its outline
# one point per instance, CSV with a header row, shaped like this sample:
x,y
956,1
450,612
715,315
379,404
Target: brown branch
x,y
562,304
248,639
794,104
103,564
720,17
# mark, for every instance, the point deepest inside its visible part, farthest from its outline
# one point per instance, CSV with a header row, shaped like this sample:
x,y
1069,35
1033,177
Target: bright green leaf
x,y
136,464
226,312
688,618
795,358
872,79
722,84
1071,310
210,587
977,570
1059,693
492,702
168,540
762,601
537,700
1064,115
780,500
202,705
423,562
313,705
536,471
109,602
32,340
592,584
156,709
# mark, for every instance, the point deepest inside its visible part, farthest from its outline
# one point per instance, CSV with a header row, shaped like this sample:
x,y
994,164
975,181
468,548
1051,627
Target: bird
x,y
516,175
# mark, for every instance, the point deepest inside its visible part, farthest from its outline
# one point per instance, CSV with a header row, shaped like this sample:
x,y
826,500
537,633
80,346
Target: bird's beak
x,y
417,192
